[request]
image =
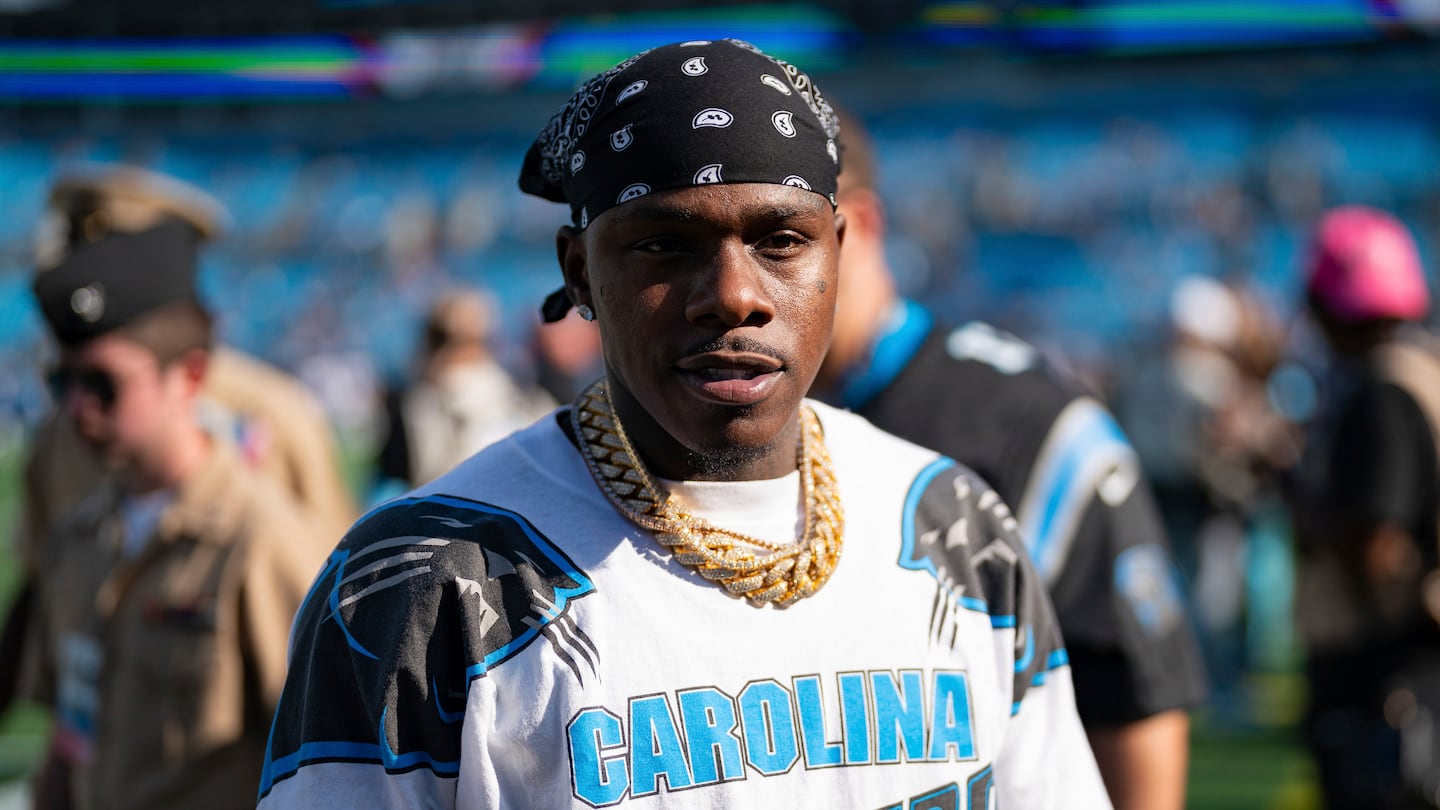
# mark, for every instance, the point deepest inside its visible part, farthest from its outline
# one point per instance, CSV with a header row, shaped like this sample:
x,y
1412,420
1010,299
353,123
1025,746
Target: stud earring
x,y
585,312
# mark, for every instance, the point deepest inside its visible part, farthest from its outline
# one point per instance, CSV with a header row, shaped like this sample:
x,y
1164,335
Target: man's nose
x,y
732,292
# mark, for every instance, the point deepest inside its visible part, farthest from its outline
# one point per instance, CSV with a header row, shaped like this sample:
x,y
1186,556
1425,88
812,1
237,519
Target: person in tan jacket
x,y
162,601
276,423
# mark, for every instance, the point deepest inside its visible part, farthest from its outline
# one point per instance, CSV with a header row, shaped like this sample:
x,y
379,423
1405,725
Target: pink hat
x,y
1364,266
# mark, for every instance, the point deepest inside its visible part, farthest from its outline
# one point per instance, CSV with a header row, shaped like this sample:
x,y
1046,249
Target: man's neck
x,y
665,456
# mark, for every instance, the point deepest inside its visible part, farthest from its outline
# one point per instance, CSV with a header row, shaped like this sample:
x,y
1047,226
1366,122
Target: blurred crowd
x,y
1072,231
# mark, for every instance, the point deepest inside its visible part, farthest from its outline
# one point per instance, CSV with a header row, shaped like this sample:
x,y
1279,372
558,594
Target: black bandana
x,y
685,115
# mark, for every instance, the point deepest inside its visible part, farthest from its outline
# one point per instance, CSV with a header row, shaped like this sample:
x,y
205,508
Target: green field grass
x,y
1250,770
9,515
22,731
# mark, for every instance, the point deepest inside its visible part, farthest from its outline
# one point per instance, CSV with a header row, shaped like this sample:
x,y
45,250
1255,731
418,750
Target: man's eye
x,y
783,241
658,245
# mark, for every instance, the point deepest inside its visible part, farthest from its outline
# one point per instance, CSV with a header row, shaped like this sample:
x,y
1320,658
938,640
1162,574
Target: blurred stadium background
x,y
1059,167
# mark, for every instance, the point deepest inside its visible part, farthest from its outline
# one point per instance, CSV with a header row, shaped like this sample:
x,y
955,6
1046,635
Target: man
x,y
614,604
463,399
567,356
163,600
273,420
1367,499
987,400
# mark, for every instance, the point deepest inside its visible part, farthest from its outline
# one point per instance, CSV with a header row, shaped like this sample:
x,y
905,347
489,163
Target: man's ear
x,y
574,264
864,213
192,367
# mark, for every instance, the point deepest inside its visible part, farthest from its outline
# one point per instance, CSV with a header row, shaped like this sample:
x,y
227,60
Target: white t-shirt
x,y
766,510
504,638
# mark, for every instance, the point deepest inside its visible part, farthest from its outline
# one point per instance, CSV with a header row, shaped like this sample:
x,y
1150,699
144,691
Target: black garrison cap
x,y
104,284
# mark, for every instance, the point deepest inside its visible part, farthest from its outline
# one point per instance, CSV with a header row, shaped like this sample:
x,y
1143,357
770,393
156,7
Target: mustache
x,y
736,344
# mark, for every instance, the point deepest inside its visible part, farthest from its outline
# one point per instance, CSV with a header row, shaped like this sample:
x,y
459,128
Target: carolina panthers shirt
x,y
988,399
503,638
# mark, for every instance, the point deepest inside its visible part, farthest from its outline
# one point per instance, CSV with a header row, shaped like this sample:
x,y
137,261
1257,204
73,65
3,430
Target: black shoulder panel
x,y
422,596
956,528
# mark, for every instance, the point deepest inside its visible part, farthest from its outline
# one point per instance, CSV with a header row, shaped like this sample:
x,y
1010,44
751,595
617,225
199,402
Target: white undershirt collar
x,y
770,509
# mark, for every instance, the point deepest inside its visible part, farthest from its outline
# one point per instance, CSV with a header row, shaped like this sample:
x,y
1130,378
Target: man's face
x,y
123,403
715,305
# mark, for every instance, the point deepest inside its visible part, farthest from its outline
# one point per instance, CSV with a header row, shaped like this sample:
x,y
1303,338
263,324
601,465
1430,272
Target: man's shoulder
x,y
469,525
960,530
239,504
981,396
58,465
424,595
405,559
1406,373
249,386
86,514
476,518
1378,391
996,367
234,368
1384,415
849,434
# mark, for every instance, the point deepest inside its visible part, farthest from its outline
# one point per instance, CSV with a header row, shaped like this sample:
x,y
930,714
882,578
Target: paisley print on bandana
x,y
670,117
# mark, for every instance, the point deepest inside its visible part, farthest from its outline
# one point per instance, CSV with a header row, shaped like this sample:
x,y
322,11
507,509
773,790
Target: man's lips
x,y
753,362
731,378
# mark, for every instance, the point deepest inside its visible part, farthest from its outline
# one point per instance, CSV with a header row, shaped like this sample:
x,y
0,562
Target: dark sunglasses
x,y
99,384
435,337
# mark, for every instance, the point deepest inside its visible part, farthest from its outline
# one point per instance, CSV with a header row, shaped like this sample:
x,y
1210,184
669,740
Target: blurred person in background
x,y
275,423
163,598
1366,500
987,399
567,356
461,401
1219,425
1225,348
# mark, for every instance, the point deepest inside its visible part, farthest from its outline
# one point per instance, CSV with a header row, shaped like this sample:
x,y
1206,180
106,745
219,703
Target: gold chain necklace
x,y
788,573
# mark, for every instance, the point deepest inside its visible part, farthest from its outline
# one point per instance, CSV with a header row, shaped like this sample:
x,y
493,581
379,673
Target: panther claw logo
x,y
432,593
